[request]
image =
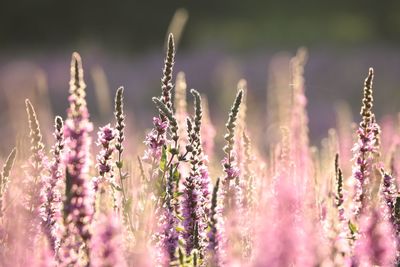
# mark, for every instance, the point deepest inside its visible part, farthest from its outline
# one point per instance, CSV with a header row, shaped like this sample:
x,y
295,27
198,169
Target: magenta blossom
x,y
376,246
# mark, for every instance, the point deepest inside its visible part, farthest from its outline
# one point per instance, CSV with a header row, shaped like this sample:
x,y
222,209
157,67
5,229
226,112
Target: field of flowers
x,y
84,201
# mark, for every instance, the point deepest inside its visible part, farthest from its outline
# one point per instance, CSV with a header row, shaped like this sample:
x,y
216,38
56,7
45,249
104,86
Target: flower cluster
x,y
364,150
229,164
52,206
106,135
79,199
5,177
216,239
36,175
273,204
388,192
106,245
376,246
155,140
167,235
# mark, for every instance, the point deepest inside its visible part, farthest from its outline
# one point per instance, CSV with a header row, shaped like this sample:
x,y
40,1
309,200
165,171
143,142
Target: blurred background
x,y
219,42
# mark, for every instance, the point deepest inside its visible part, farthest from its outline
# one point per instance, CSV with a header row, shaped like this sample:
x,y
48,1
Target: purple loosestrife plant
x,y
167,233
299,124
286,231
79,195
5,179
283,209
229,164
364,149
156,139
340,241
196,187
248,173
389,200
195,206
69,252
388,194
167,166
339,197
36,176
230,193
106,136
249,199
52,206
166,81
216,241
168,209
106,246
119,147
376,246
284,225
164,174
192,210
202,160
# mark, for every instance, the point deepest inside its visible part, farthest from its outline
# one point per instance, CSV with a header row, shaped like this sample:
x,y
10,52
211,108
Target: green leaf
x,y
163,161
119,164
176,175
128,205
163,195
179,229
353,228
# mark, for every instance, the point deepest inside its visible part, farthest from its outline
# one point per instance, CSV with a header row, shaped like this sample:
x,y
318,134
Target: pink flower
x,y
106,245
376,245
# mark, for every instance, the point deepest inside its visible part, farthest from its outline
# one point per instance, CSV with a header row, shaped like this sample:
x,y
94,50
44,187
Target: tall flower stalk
x,y
390,213
167,186
340,235
339,196
162,155
202,157
215,248
156,139
388,194
229,162
5,179
249,201
285,229
197,183
288,206
106,243
364,149
299,121
36,175
79,196
106,179
52,206
376,246
120,127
